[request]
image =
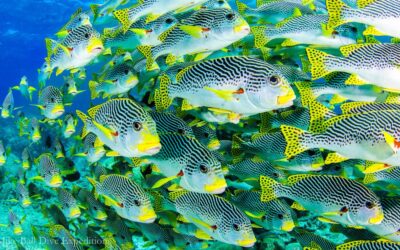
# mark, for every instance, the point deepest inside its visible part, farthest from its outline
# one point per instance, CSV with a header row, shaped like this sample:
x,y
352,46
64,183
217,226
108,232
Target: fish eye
x,y
126,72
275,174
203,169
230,16
180,131
86,35
206,135
221,1
169,20
280,216
274,80
263,218
236,227
95,208
80,19
187,243
369,204
354,29
311,153
337,168
67,85
344,210
137,203
137,126
52,99
122,237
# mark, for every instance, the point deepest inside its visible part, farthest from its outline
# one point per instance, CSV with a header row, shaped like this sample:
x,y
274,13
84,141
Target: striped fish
x,y
205,31
8,105
389,175
186,158
381,16
308,239
368,136
367,63
68,204
215,216
124,126
241,85
127,198
271,215
93,148
68,241
207,136
252,169
336,198
35,130
271,147
153,9
79,47
368,244
95,209
50,102
48,170
309,29
23,195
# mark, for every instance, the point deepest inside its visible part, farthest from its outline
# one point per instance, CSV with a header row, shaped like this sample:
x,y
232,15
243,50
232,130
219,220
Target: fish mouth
x,y
242,27
2,161
59,155
56,181
288,226
147,216
101,216
75,213
95,46
132,80
5,113
58,110
18,230
25,165
217,187
26,203
287,98
246,242
36,137
377,219
150,146
214,144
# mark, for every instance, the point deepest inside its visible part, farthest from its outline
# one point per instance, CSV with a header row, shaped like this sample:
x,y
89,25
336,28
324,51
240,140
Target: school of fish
x,y
213,124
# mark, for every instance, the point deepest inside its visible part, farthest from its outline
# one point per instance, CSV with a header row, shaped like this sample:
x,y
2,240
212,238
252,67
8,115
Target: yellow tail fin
x,y
260,38
161,96
241,7
294,139
268,188
335,9
370,178
318,63
147,53
236,148
306,94
318,114
123,17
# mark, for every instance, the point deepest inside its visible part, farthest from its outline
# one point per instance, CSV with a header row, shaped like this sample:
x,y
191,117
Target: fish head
x,y
5,113
163,23
204,175
35,134
142,138
272,91
237,231
366,211
123,76
228,25
280,216
69,127
53,179
138,209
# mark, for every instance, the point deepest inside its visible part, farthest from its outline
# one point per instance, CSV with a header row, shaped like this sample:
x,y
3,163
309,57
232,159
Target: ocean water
x,y
25,25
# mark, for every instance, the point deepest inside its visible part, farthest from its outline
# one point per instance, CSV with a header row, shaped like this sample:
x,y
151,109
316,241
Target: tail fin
x,y
84,119
318,61
241,7
318,114
92,88
123,17
370,178
306,93
269,188
161,96
295,140
260,38
236,148
336,9
147,52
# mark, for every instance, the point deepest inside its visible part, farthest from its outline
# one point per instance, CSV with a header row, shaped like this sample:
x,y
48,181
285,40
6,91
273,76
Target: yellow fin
x,y
224,94
112,154
335,158
163,181
322,219
194,31
371,30
297,206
